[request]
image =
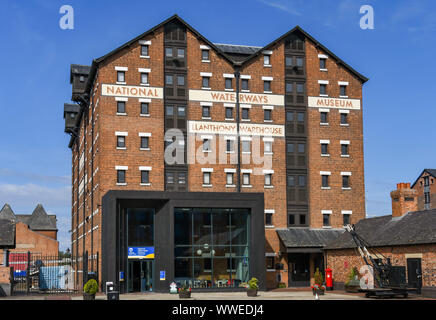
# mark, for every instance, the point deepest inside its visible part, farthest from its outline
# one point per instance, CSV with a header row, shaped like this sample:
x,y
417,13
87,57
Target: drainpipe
x,y
237,76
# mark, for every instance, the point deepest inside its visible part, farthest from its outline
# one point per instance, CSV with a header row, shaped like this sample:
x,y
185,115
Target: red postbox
x,y
329,279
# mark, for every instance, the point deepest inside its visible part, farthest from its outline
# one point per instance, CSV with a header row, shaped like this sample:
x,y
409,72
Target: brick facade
x,y
96,141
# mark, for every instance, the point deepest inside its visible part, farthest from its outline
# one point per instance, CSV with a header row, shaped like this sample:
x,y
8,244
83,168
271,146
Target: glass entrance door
x,y
140,275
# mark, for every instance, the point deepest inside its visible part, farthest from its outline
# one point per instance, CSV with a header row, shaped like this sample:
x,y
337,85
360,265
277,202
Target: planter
x,y
352,286
252,292
87,296
318,291
185,294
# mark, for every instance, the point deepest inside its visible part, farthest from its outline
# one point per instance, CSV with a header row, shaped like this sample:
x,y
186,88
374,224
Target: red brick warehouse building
x,y
269,160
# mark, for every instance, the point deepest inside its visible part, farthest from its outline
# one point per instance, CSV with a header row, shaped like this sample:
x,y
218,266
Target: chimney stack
x,y
404,200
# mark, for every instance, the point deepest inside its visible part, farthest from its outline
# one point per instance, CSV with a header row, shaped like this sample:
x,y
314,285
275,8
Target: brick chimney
x,y
404,200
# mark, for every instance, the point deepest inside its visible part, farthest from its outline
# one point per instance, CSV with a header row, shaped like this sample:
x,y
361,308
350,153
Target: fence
x,y
36,273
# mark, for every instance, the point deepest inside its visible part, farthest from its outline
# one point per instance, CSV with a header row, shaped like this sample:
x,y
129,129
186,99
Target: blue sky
x,y
397,56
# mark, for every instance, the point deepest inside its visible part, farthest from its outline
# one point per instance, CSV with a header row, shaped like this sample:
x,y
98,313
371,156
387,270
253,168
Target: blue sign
x,y
140,252
121,275
162,275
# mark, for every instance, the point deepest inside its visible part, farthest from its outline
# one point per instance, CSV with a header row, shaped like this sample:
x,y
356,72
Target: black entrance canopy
x,y
306,239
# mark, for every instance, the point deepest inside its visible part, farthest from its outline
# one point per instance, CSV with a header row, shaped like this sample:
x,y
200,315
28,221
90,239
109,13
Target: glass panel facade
x,y
211,247
140,227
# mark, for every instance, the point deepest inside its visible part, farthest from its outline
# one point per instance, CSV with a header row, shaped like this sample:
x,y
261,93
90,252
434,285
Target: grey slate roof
x,y
305,237
38,220
7,234
417,227
7,213
238,49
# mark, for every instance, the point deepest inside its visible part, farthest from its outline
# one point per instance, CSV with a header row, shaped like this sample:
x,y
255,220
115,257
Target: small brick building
x,y
407,237
425,184
35,233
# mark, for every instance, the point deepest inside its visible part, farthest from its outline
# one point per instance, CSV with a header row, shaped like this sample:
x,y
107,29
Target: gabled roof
x,y
7,213
417,227
40,220
431,172
222,49
7,234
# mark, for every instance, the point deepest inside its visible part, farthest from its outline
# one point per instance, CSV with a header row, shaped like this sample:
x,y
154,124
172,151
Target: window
x,y
170,177
323,63
288,61
145,175
301,181
169,52
229,145
291,181
290,147
324,118
144,142
244,84
267,114
144,78
346,219
324,148
326,220
181,112
229,178
345,181
269,261
205,113
300,116
266,60
344,118
144,50
205,55
180,53
121,176
289,116
182,178
228,83
300,88
169,79
246,179
267,147
121,76
427,197
180,80
325,181
144,108
121,107
302,219
206,178
245,146
301,147
322,89
299,61
342,90
267,86
344,149
245,113
289,87
268,179
121,142
205,82
426,181
291,219
169,110
206,145
268,222
229,113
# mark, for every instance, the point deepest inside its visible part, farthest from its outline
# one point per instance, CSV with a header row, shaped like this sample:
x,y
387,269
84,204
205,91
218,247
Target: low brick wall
x,y
5,281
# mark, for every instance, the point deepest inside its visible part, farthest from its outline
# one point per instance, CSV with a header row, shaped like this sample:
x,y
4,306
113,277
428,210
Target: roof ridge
x,y
236,45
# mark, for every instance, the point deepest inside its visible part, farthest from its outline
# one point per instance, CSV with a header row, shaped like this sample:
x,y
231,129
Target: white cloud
x,y
289,7
30,194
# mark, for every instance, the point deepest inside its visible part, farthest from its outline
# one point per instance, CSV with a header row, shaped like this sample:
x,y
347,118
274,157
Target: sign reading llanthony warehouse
x,y
322,102
230,97
212,127
116,90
